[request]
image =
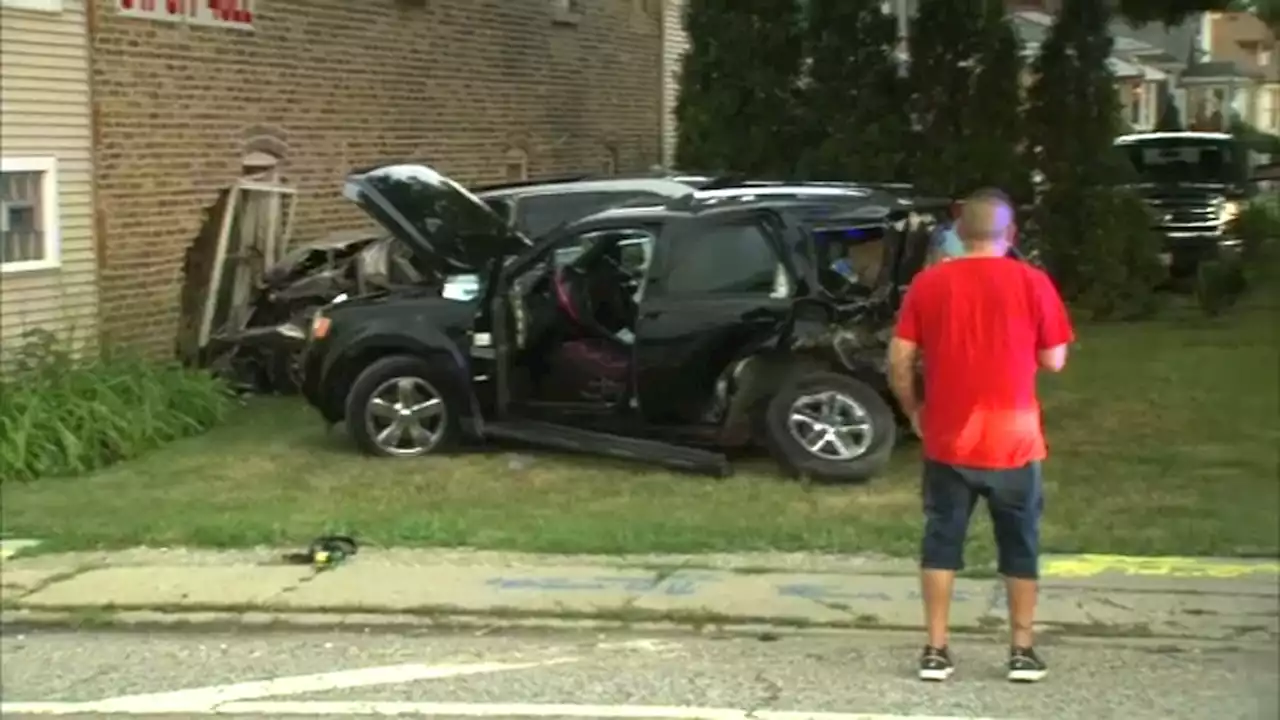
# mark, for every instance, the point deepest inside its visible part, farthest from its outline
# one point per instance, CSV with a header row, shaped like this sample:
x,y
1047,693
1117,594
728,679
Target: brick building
x,y
185,90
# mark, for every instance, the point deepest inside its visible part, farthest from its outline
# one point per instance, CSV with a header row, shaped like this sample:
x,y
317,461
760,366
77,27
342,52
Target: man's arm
x,y
1052,359
902,375
1053,331
904,350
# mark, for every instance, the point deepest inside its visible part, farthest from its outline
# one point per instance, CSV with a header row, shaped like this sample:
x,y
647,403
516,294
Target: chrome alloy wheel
x,y
406,416
830,425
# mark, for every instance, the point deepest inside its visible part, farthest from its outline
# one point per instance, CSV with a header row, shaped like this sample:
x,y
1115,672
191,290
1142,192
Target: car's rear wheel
x,y
403,406
830,426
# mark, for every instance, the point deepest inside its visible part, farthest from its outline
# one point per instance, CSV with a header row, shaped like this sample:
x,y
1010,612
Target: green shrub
x,y
1219,284
1258,229
61,416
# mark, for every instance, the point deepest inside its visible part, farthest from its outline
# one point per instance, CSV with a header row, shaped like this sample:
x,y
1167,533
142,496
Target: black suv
x,y
667,332
1195,183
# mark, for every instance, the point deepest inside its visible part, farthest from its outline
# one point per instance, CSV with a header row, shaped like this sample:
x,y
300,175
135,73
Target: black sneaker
x,y
935,664
1025,666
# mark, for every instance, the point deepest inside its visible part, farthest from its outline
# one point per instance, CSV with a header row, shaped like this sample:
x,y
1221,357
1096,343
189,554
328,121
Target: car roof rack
x,y
517,184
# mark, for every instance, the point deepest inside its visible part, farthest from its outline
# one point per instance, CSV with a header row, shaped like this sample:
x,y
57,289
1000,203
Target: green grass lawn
x,y
1164,440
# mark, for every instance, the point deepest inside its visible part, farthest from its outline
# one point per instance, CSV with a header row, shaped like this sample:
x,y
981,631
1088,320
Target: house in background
x,y
192,95
1238,74
48,258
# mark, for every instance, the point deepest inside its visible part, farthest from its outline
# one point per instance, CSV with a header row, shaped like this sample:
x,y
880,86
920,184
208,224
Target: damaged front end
x,y
248,296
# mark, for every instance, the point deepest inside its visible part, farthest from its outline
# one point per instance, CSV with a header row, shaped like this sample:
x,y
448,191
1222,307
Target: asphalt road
x,y
853,673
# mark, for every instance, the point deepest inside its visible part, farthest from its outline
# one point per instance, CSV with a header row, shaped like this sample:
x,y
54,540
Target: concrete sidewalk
x,y
1086,595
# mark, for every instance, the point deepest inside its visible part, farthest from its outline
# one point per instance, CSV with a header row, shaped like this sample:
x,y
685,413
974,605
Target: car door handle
x,y
651,315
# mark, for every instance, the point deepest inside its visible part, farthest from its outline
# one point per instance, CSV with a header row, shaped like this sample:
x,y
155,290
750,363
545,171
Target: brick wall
x,y
334,84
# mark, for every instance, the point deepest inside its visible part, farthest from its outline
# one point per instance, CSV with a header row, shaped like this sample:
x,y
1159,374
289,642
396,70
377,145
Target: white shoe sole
x,y
1027,676
936,675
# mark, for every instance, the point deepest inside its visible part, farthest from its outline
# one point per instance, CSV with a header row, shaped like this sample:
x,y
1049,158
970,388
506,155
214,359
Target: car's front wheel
x,y
403,406
830,426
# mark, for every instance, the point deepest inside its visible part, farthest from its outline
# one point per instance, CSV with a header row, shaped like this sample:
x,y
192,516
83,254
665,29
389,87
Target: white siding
x,y
45,112
674,45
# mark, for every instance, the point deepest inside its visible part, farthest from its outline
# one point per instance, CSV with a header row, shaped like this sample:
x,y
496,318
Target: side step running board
x,y
590,442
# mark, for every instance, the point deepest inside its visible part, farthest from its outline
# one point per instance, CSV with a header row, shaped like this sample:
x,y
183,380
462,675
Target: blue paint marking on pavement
x,y
670,586
825,593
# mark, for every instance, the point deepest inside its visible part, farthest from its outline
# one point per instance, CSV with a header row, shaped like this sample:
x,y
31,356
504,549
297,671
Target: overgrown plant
x,y
63,416
1258,229
1097,240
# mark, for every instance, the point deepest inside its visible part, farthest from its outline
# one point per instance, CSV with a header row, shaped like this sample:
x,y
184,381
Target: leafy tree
x,y
1169,12
852,100
1096,239
1268,10
735,109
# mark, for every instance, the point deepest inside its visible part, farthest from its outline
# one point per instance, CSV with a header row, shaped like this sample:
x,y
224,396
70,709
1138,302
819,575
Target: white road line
x,y
479,710
206,698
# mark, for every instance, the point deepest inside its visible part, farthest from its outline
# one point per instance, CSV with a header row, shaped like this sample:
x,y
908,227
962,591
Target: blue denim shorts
x,y
1015,499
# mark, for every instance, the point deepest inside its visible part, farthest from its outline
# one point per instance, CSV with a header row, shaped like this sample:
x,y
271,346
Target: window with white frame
x,y
1136,107
53,6
1269,109
28,213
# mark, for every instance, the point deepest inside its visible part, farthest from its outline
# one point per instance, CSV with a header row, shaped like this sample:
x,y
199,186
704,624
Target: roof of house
x,y
1215,70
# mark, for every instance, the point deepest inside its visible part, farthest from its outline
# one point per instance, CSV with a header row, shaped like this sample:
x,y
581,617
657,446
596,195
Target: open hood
x,y
449,230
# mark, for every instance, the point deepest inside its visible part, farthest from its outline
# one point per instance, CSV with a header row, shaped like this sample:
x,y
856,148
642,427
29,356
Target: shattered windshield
x,y
1184,160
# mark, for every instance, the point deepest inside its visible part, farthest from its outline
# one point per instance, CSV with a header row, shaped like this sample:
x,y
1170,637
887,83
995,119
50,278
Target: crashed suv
x,y
668,332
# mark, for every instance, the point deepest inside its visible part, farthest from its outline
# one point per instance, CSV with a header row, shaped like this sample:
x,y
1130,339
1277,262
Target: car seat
x,y
592,357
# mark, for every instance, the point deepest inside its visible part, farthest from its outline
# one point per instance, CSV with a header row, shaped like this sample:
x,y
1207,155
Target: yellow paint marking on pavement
x,y
9,548
1085,566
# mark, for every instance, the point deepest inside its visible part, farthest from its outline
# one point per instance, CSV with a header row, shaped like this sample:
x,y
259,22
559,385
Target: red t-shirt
x,y
979,322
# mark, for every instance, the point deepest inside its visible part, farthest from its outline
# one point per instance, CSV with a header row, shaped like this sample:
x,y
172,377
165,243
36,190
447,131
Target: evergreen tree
x,y
966,97
735,111
945,49
1169,119
1096,238
854,120
995,119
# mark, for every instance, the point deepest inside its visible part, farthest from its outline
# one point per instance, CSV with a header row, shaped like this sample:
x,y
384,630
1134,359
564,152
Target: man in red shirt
x,y
983,324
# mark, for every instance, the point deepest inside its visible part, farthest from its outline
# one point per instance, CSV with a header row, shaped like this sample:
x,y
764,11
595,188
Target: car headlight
x,y
1230,211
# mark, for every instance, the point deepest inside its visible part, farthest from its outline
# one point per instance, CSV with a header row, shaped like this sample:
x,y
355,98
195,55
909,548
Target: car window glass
x,y
538,214
635,247
732,258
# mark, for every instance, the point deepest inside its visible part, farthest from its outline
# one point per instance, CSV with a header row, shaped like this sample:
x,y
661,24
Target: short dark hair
x,y
986,195
990,194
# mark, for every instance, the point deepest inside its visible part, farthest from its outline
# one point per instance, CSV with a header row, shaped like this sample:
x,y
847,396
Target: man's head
x,y
986,225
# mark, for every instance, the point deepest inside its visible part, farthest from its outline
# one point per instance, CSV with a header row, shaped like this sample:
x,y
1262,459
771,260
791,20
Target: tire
x,y
857,398
380,381
283,372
